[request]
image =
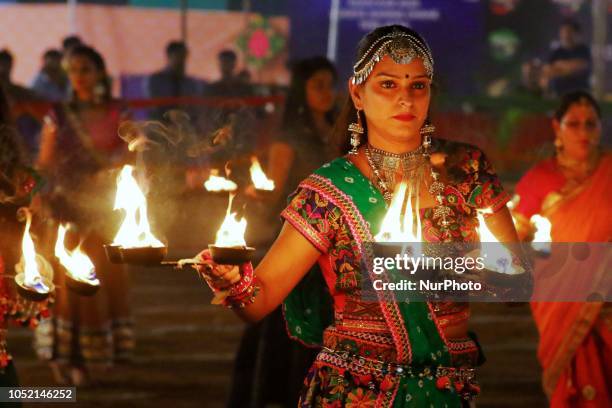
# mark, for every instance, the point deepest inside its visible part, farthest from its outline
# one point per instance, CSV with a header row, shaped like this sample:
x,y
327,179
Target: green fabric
x,y
308,309
428,348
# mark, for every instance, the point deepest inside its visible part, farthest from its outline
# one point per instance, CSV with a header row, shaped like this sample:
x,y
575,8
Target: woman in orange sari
x,y
572,191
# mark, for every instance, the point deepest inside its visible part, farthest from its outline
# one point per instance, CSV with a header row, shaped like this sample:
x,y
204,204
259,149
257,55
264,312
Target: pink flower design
x,y
259,45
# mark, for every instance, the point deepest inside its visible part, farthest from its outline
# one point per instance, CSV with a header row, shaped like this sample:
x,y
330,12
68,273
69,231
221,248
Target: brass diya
x,y
233,255
113,254
85,288
144,256
30,293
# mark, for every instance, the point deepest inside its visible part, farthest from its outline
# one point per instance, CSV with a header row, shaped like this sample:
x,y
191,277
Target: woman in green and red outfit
x,y
382,352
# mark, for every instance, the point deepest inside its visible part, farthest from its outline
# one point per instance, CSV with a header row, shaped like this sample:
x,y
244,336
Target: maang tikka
x,y
401,46
356,130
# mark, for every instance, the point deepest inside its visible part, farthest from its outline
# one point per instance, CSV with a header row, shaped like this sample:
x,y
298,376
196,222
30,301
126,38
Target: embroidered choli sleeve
x,y
315,216
486,191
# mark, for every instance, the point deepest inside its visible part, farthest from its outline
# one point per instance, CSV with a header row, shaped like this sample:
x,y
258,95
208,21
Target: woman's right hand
x,y
219,277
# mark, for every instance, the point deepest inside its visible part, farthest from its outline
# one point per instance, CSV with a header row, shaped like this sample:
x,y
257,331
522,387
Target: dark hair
x,y
52,53
572,23
71,41
96,58
175,47
348,113
573,97
5,55
227,54
297,111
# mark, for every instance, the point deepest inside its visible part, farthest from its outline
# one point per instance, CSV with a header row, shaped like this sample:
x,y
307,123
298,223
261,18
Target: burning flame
x,y
135,231
394,228
218,183
542,239
259,178
231,232
78,265
498,258
30,261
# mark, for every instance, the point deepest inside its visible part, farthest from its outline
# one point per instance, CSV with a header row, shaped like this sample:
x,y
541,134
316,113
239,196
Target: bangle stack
x,y
240,294
243,292
243,300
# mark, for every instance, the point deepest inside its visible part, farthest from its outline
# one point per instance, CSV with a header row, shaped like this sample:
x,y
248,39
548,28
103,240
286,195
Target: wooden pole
x,y
184,10
72,16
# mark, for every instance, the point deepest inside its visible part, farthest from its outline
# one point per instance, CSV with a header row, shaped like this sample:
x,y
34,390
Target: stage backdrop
x,y
478,45
133,39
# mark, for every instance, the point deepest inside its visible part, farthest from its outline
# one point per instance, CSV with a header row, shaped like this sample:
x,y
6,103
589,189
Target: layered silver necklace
x,y
393,167
410,167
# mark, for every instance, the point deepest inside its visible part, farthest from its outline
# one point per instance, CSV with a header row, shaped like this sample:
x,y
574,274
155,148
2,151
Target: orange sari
x,y
575,347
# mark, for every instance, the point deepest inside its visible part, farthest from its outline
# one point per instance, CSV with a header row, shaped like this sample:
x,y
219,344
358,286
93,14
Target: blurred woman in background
x,y
572,190
304,143
305,139
79,149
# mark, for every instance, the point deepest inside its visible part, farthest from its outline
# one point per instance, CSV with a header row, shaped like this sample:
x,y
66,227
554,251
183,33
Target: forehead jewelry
x,y
400,46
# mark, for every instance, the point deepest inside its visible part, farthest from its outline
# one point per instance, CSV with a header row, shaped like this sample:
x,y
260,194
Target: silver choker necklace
x,y
390,168
386,166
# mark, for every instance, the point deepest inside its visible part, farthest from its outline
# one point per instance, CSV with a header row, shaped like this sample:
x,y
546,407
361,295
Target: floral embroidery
x,y
473,186
360,398
321,222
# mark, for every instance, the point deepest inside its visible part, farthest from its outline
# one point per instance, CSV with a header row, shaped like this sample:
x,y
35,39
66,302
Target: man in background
x,y
230,84
172,80
569,65
15,93
51,82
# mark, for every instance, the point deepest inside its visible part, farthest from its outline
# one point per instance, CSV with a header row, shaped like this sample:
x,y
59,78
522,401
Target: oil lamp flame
x,y
77,264
404,228
542,239
231,232
135,231
217,183
29,262
259,178
497,258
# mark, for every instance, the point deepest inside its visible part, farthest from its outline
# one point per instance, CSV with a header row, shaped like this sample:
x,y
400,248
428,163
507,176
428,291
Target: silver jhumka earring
x,y
356,130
